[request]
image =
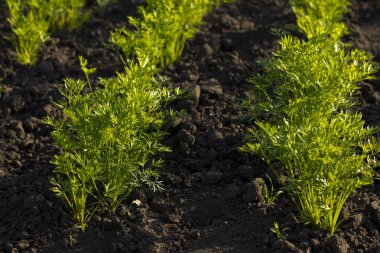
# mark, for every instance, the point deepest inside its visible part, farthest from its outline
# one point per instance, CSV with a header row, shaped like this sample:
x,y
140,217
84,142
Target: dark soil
x,y
212,200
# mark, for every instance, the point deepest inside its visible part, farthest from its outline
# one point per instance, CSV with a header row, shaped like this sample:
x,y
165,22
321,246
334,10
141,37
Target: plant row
x,y
33,21
111,131
304,104
162,30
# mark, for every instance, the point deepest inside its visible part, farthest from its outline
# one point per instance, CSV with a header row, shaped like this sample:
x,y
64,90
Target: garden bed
x,y
211,202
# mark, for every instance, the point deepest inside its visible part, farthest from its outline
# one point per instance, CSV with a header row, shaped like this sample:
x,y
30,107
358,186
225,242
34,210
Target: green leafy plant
x,y
317,17
67,14
278,231
304,105
325,149
162,30
269,193
109,137
30,28
32,21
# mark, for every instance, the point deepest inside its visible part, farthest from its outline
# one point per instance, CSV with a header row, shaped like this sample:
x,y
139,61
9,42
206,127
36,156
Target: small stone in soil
x,y
189,127
31,123
338,244
17,103
216,90
48,109
22,245
197,95
314,243
216,140
208,49
19,130
357,220
374,208
11,134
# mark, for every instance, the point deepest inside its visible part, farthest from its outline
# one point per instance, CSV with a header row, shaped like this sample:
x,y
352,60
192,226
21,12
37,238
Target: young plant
x,y
278,231
317,17
30,28
67,14
32,21
270,195
162,30
109,137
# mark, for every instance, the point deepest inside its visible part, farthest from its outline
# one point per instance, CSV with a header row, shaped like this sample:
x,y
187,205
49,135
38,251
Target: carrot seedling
x,y
32,22
30,28
109,137
162,30
304,107
67,14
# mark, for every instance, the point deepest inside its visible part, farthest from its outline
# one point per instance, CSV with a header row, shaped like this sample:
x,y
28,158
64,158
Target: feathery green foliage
x,y
30,28
67,14
316,77
316,17
109,137
32,21
304,104
162,30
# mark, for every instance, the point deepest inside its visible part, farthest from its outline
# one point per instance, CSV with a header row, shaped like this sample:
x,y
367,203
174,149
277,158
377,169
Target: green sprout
x,y
278,231
270,195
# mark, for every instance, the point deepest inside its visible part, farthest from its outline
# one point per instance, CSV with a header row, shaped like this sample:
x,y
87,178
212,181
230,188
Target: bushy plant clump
x,y
109,137
67,14
320,17
305,101
30,27
32,21
162,30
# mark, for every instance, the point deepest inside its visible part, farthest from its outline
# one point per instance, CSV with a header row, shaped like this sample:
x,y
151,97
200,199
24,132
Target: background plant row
x,y
304,105
33,21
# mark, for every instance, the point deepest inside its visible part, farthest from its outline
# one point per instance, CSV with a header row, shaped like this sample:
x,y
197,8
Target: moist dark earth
x,y
212,201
